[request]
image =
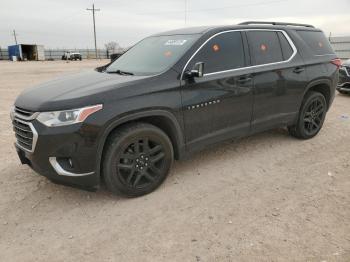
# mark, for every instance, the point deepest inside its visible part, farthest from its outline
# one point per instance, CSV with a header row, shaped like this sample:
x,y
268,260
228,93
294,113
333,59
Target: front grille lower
x,y
25,134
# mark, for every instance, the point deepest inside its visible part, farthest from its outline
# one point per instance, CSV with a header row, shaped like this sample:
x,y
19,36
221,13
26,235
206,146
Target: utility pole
x,y
185,12
15,36
93,18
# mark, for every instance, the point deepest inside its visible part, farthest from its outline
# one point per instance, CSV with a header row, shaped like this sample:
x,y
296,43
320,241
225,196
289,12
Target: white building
x,y
341,46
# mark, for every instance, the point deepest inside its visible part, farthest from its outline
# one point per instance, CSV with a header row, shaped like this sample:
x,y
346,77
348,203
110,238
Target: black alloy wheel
x,y
141,162
311,116
314,115
137,159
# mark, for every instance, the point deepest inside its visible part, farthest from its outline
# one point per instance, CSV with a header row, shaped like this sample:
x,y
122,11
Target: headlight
x,y
67,117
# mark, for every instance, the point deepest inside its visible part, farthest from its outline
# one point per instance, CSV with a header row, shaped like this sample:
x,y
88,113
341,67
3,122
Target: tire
x,y
311,116
137,159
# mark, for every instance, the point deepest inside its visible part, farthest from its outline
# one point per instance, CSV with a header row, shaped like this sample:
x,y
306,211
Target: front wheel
x,y
137,159
311,116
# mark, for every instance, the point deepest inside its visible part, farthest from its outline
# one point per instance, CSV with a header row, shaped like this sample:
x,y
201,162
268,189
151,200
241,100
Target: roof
x,y
206,29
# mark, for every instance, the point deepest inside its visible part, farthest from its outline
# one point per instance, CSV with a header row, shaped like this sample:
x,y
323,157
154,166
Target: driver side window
x,y
222,52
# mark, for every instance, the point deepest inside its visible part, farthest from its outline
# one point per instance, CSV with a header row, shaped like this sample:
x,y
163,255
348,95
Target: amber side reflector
x,y
85,112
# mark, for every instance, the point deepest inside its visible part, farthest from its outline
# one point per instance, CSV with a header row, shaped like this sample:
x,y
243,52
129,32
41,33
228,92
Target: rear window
x,y
317,41
265,47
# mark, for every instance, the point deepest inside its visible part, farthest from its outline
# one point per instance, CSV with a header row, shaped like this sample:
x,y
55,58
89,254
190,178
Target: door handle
x,y
298,69
243,79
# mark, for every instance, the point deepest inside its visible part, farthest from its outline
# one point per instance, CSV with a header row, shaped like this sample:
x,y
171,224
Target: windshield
x,y
153,55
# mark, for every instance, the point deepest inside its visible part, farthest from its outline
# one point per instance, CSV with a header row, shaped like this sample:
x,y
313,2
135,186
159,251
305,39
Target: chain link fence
x,y
341,46
56,54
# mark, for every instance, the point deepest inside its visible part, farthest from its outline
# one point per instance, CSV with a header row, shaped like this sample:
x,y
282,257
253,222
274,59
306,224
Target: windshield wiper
x,y
120,72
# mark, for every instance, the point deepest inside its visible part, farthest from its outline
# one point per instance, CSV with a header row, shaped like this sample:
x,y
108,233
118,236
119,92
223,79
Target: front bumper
x,y
65,155
344,88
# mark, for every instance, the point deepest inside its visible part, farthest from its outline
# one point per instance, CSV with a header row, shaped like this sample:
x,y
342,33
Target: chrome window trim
x,y
62,172
246,67
35,136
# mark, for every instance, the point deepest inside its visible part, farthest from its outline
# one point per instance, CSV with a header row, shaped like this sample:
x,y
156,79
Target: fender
x,y
322,81
134,116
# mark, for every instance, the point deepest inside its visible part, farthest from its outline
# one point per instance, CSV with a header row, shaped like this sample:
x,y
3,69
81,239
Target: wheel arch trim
x,y
135,116
317,82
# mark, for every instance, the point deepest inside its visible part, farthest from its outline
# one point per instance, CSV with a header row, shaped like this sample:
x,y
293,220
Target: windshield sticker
x,y
168,53
263,47
175,42
216,48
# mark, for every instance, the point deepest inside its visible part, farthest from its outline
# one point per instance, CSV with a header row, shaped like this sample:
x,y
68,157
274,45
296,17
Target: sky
x,y
67,23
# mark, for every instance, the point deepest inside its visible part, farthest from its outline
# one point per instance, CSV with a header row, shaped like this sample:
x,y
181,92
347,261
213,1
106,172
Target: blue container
x,y
14,50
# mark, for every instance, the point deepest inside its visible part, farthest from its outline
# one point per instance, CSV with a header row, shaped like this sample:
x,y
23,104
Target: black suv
x,y
344,78
170,95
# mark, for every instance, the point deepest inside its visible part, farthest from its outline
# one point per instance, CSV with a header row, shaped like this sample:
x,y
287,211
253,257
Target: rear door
x,y
218,105
279,78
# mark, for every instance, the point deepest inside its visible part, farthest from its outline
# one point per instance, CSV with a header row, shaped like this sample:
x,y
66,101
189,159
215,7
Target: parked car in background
x,y
172,94
72,56
344,78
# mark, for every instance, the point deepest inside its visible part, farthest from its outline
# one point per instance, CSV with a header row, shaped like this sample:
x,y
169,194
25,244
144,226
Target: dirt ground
x,y
268,197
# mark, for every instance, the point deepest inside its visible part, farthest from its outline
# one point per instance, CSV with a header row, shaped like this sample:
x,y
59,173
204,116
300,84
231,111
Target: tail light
x,y
337,62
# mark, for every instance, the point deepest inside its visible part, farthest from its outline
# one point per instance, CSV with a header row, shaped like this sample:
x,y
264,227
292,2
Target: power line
x,y
93,18
185,12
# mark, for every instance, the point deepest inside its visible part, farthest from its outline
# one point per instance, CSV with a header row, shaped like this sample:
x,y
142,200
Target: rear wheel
x,y
137,159
311,116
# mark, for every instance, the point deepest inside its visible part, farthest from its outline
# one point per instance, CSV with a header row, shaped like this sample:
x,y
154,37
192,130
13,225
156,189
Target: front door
x,y
219,104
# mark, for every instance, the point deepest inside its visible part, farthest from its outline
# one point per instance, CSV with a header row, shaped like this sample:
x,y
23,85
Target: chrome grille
x,y
347,68
25,133
24,114
344,70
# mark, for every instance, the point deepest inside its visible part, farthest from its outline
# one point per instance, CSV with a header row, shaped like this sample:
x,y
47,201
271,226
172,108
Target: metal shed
x,y
25,52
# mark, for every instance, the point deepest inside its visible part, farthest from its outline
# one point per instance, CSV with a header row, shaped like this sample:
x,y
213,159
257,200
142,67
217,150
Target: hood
x,y
73,91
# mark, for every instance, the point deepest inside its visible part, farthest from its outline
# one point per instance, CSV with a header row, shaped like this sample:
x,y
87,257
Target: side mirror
x,y
198,70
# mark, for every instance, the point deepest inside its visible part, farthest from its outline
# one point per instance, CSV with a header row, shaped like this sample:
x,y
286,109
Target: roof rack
x,y
274,23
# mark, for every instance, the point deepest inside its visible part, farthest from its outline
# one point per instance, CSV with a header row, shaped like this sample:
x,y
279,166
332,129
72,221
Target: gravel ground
x,y
268,197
